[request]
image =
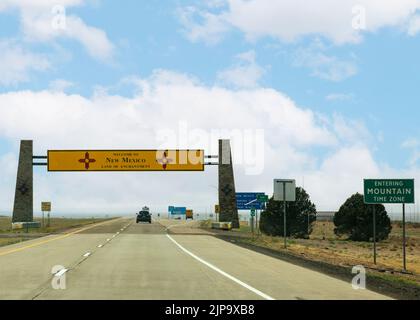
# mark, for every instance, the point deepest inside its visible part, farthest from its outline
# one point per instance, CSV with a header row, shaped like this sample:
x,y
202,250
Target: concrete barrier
x,y
25,225
222,225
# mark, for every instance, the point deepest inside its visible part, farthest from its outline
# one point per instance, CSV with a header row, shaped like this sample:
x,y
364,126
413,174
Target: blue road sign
x,y
177,210
248,200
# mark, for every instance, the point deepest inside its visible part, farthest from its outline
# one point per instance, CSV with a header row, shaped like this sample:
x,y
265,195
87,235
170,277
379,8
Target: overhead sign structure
x,y
279,185
248,200
378,191
125,160
45,206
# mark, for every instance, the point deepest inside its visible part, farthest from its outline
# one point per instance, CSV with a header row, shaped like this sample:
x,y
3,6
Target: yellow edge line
x,y
53,239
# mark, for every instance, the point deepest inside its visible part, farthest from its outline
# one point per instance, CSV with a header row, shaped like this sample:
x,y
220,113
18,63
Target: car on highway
x,y
144,216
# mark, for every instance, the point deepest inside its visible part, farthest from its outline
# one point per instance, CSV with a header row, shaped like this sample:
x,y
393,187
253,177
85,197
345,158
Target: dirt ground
x,y
325,246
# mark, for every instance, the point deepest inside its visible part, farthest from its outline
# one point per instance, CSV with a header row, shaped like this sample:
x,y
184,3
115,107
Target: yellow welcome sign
x,y
125,160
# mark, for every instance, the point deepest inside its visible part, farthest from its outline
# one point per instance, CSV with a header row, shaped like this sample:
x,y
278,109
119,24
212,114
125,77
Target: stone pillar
x,y
227,192
23,207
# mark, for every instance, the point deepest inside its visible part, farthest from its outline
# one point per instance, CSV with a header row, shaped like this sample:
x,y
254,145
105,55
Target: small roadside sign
x,y
290,185
262,198
252,212
46,206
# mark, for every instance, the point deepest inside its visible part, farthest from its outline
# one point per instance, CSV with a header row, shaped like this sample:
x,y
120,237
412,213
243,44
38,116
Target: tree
x,y
355,219
271,222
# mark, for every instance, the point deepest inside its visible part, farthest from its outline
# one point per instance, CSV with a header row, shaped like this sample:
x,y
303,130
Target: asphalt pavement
x,y
120,259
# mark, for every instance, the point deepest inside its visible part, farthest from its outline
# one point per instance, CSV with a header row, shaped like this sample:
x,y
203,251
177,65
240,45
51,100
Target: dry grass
x,y
9,241
56,225
324,245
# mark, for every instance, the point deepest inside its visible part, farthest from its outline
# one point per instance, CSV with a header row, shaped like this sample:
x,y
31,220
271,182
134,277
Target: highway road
x,y
120,259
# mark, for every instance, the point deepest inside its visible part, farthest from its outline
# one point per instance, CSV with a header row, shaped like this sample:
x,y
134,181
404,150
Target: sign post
x,y
374,234
252,219
46,207
389,191
263,199
404,240
284,190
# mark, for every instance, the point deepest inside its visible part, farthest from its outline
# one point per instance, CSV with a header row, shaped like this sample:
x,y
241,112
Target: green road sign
x,y
389,191
262,198
252,212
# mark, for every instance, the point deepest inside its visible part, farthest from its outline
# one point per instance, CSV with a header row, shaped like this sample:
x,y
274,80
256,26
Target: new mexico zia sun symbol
x,y
164,161
87,161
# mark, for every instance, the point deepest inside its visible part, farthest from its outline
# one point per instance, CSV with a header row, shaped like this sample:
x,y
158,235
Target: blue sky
x,y
358,85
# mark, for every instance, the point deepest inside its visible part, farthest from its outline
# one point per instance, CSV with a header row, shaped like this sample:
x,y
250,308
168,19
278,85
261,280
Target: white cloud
x,y
60,85
289,20
414,25
55,120
246,73
323,65
41,21
340,175
211,29
411,143
16,63
350,130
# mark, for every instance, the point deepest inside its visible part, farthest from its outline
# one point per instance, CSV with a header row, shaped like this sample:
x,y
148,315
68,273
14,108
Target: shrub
x,y
355,219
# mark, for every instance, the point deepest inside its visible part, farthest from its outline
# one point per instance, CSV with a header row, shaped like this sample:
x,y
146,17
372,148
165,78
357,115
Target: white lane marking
x,y
113,236
87,254
100,246
243,284
108,240
61,272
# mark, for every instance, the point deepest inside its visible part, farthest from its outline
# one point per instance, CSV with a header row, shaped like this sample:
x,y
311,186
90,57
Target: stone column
x,y
23,207
227,192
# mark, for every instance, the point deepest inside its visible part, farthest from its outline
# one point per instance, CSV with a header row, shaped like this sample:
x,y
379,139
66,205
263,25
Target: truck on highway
x,y
190,214
144,215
